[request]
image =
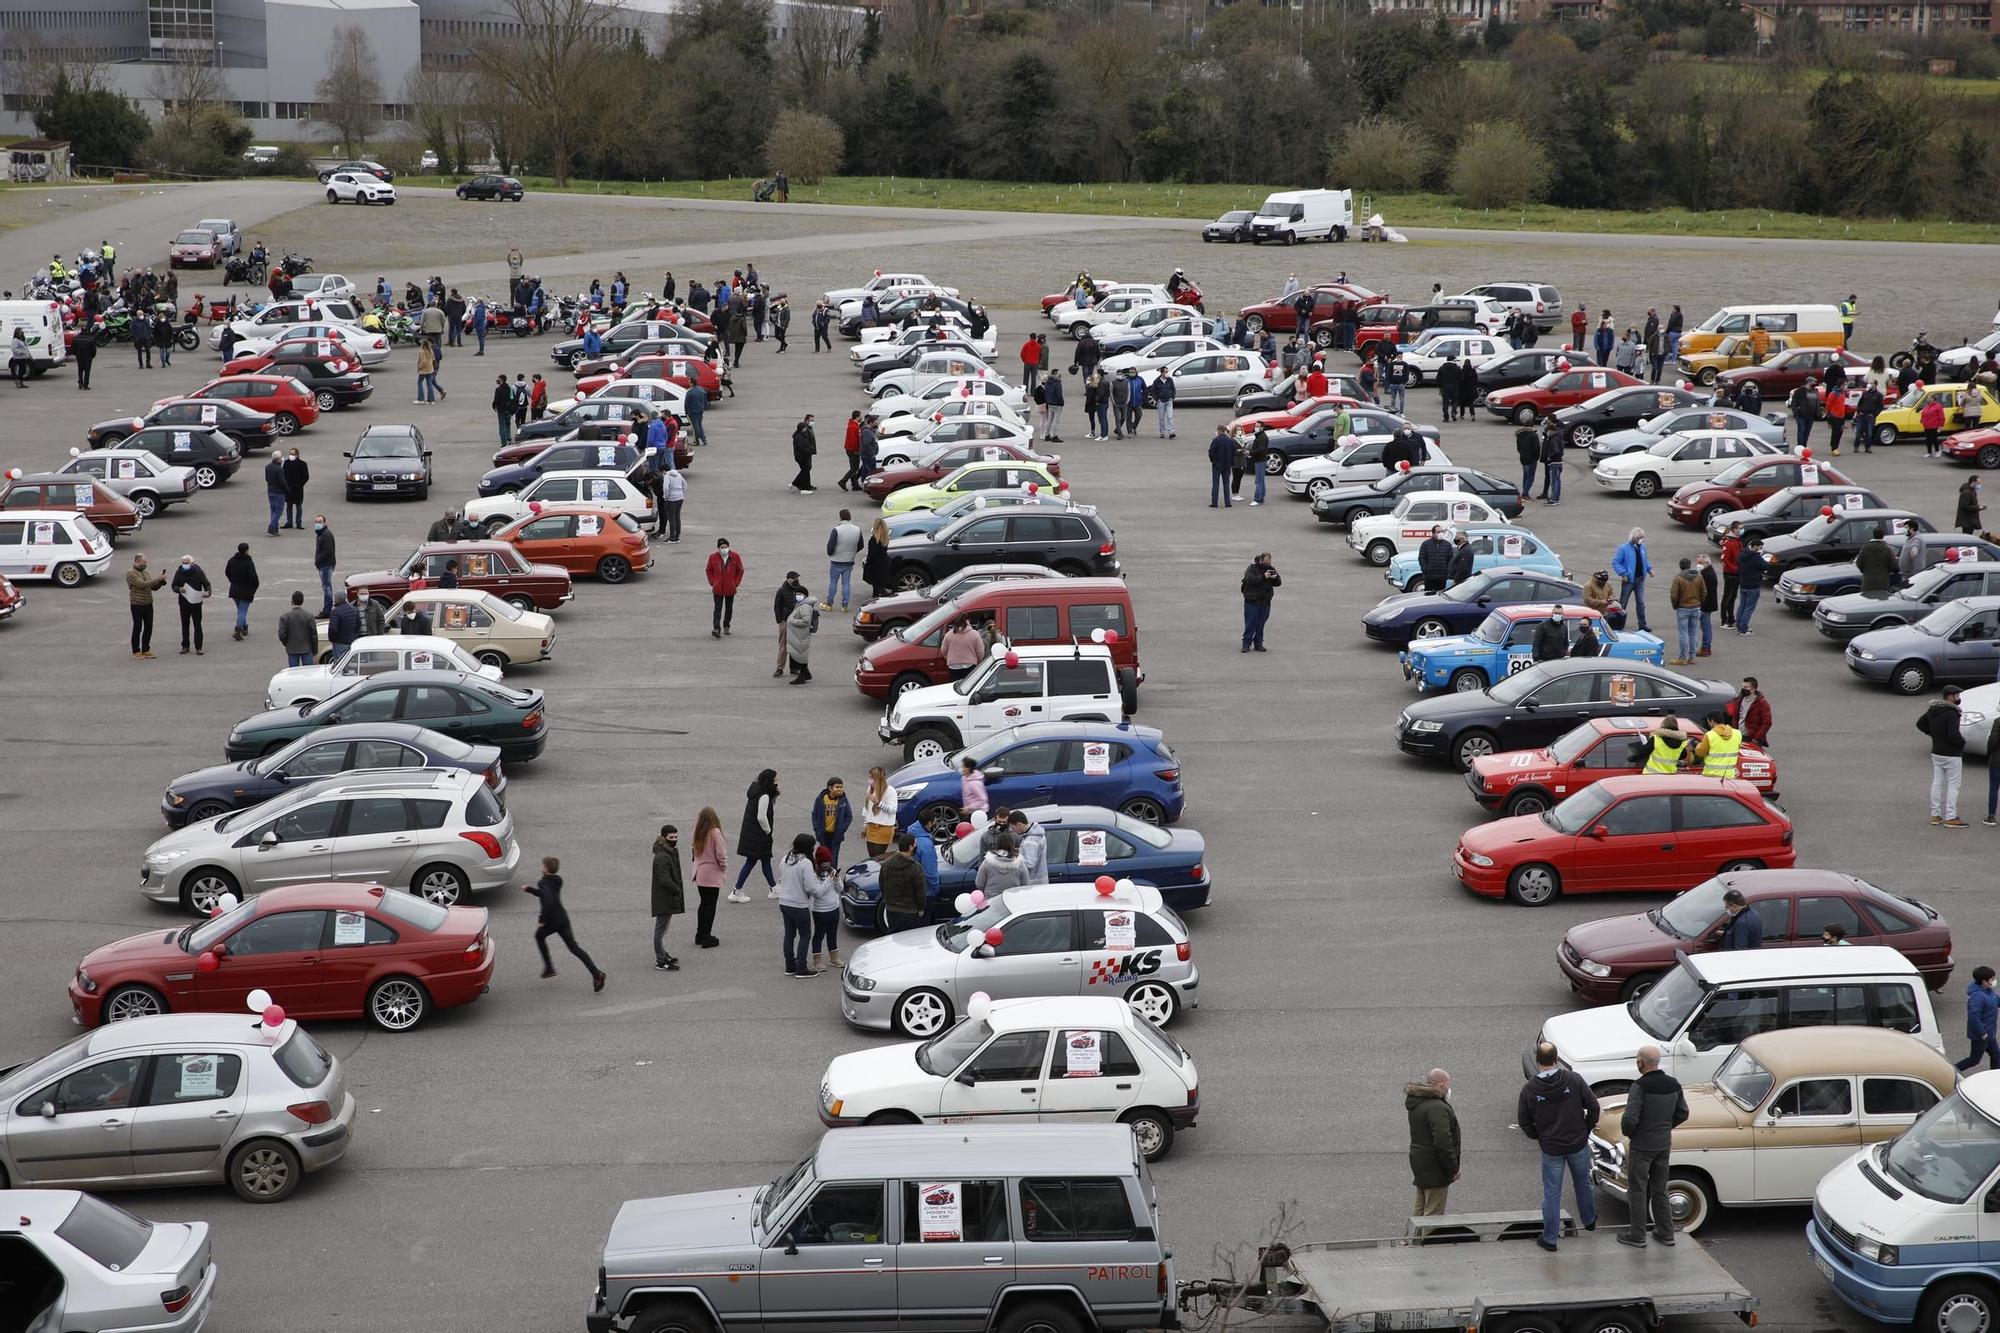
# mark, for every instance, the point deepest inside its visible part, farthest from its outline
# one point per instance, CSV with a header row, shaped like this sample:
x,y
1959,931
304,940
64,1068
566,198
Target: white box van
x,y
43,321
1711,1001
1304,215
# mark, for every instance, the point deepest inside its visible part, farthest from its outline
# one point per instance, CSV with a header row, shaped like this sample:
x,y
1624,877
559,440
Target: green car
x,y
468,708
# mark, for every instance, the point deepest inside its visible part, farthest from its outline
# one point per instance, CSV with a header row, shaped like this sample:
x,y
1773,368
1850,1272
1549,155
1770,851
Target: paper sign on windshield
x,y
349,928
1097,759
1090,847
941,1210
1085,1053
1121,930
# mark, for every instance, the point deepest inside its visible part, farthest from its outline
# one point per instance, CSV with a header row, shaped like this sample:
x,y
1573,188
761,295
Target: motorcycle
x,y
1921,352
246,270
296,265
1182,291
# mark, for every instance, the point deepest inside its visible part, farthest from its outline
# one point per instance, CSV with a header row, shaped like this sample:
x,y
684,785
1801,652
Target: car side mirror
x,y
1992,1204
346,455
280,776
1597,831
1777,1112
1481,600
964,1077
983,951
48,1112
219,950
270,839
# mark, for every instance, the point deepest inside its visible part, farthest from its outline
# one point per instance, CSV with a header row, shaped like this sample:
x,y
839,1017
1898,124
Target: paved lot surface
x,y
1339,958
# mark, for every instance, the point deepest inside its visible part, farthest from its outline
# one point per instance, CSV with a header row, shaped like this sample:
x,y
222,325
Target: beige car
x,y
1785,1108
491,630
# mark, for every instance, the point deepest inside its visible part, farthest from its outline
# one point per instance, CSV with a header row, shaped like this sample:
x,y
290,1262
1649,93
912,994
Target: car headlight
x,y
909,793
1479,860
1808,587
84,982
176,799
1593,969
354,476
1834,617
859,982
411,476
1865,654
1886,1255
167,857
1426,725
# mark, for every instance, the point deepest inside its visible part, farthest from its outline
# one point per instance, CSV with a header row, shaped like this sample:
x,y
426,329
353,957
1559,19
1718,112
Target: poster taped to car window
x,y
600,490
422,660
1808,474
1510,545
992,453
1090,847
208,414
351,927
45,534
86,495
607,455
1121,930
198,1075
456,617
1096,759
1449,481
1850,501
1624,689
479,566
183,441
125,467
941,1210
588,525
1084,1054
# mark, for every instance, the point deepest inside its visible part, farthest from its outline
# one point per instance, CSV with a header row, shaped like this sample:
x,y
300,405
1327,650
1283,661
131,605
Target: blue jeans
x,y
298,659
798,931
1577,1166
1746,602
694,428
325,588
1707,631
479,332
751,863
826,930
1258,494
424,388
1805,425
1527,480
1864,432
1552,483
242,612
1688,620
277,499
506,424
1629,592
1256,615
1218,485
840,574
1396,397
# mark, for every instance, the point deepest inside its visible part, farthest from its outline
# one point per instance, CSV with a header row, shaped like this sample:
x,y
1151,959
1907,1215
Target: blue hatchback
x,y
1492,544
1116,764
1171,860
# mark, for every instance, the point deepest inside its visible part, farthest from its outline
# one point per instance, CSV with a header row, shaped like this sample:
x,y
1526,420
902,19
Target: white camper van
x,y
1304,215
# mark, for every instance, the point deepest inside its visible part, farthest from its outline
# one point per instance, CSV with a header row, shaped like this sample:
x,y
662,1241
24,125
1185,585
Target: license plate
x,y
1825,1268
385,486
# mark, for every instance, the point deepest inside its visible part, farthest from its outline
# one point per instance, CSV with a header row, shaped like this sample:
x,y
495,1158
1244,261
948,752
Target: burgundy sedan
x,y
1787,370
1620,957
489,566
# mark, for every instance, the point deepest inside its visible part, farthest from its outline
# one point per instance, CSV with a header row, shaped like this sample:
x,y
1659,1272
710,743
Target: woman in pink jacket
x,y
710,861
971,787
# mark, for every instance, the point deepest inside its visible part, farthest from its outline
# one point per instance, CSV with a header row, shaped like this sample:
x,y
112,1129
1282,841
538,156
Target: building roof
x,y
38,145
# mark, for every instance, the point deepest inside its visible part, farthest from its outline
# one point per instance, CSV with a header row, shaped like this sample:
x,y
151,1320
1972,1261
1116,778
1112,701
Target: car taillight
x,y
176,1300
485,842
88,549
477,947
532,720
1788,837
313,1113
1167,774
378,344
1194,1095
1161,1282
1200,871
493,776
1184,951
1108,548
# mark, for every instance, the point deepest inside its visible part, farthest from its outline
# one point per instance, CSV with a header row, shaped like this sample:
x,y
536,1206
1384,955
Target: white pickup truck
x,y
1044,683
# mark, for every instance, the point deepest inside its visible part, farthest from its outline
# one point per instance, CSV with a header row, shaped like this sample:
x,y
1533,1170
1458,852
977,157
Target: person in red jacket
x,y
851,446
1579,325
1316,379
1750,713
1732,551
725,576
1031,363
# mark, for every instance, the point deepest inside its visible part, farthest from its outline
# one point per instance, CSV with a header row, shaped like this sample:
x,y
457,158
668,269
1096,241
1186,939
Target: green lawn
x,y
1206,201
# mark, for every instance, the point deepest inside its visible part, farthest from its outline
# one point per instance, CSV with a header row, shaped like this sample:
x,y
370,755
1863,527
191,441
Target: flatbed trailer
x,y
1472,1271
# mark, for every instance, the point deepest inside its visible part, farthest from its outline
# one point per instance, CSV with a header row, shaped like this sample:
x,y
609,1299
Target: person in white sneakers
x,y
753,841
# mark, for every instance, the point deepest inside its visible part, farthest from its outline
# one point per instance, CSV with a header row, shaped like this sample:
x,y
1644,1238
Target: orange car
x,y
582,540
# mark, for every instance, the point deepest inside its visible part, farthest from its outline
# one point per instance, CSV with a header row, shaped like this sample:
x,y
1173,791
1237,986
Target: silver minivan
x,y
951,1229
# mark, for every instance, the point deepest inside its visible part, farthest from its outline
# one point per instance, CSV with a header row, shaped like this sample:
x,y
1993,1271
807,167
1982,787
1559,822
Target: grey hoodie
x,y
797,881
1034,854
999,872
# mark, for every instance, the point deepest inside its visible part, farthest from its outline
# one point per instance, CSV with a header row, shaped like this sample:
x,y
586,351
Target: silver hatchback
x,y
180,1099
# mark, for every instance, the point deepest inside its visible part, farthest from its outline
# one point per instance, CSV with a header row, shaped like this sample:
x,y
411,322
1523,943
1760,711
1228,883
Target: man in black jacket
x,y
1558,1110
1552,463
1260,581
1551,641
1527,448
1653,1107
804,446
1941,722
904,889
1462,556
1434,560
323,559
554,920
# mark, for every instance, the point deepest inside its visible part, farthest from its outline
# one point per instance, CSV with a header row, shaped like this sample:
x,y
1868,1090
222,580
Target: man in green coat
x,y
669,899
1434,1141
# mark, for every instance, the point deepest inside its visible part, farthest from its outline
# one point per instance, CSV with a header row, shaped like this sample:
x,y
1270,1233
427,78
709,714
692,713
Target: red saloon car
x,y
682,370
1331,300
319,950
490,566
290,405
1748,482
1651,833
881,484
1527,782
523,450
1980,445
12,599
1619,958
1529,403
1285,418
1787,370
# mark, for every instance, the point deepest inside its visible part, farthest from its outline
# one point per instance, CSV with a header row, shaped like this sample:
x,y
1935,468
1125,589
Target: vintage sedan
x,y
489,566
1492,544
469,707
1314,458
192,422
149,484
1619,409
937,463
565,456
1730,353
1526,782
1802,588
1529,403
1789,508
498,633
1380,538
1345,504
600,490
370,655
1781,372
1842,616
1957,644
1610,444
1502,646
582,539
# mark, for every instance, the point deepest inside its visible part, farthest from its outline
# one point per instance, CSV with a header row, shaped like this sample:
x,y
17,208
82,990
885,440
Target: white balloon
x,y
977,1005
963,903
227,902
258,1000
1097,635
999,649
977,819
1126,886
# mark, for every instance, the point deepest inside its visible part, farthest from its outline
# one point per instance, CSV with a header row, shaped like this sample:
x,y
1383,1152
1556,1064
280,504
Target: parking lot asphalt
x,y
1339,959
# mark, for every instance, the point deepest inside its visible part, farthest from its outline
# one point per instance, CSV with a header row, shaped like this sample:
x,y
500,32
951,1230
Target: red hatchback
x,y
682,370
1750,481
1649,834
1527,782
290,404
1980,445
885,482
1331,300
1787,370
1618,958
318,950
1529,403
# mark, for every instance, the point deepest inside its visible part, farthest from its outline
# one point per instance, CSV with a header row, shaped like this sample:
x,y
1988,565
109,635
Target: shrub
x,y
804,145
1498,165
1383,155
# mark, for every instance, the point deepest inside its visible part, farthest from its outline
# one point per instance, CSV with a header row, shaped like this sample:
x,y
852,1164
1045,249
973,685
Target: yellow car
x,y
1901,417
1731,352
1007,474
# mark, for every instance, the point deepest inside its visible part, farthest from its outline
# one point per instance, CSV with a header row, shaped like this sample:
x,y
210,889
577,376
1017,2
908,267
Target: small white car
x,y
1105,289
953,409
954,363
665,393
1073,1058
135,474
1218,377
881,281
953,430
607,489
1112,309
870,359
851,309
1488,314
1159,352
1144,318
358,187
1677,459
943,391
1429,352
1976,710
278,314
45,544
1380,538
947,318
1354,464
72,1263
322,285
370,349
367,656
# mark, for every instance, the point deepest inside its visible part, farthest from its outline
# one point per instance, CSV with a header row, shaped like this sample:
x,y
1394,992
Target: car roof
x,y
586,474
1045,1011
473,544
418,642
233,1029
1675,784
1837,1050
944,1152
390,428
1546,610
451,594
1108,731
428,678
1094,585
36,1210
391,731
1045,897
388,780
1735,966
59,477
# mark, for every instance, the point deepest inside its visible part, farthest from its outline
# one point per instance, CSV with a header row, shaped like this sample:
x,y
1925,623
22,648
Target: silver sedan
x,y
85,1266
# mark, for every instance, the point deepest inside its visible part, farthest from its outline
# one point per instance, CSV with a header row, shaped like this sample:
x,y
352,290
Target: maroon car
x,y
885,615
1747,482
1331,300
1620,957
881,484
489,566
12,599
1787,370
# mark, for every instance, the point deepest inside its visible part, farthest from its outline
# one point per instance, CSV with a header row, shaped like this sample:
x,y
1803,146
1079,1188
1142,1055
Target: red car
x,y
1288,417
290,404
1619,958
1787,370
522,450
682,370
490,566
1980,445
1526,782
320,950
1526,404
1745,483
1655,833
881,484
584,540
1331,300
339,359
12,599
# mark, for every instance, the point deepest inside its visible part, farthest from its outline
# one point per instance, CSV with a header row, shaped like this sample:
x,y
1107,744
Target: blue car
x,y
1171,860
929,521
1046,762
1402,617
567,456
1503,646
1492,544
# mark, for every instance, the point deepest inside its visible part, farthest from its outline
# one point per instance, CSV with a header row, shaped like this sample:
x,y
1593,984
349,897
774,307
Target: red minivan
x,y
1024,612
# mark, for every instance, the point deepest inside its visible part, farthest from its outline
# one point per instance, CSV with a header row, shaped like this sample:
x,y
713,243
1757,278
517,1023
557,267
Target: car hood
x,y
1707,1108
1398,604
909,956
875,1070
1500,838
1862,604
151,947
191,837
1829,569
1453,707
1453,645
220,775
1605,1033
1895,640
1615,938
710,1220
268,720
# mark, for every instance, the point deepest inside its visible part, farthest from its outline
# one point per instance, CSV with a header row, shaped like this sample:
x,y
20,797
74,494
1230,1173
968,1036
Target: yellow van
x,y
1804,325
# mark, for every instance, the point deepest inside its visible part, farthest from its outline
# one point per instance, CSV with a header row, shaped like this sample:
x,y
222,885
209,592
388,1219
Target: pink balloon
x,y
994,935
978,898
1106,886
1111,636
274,1015
206,961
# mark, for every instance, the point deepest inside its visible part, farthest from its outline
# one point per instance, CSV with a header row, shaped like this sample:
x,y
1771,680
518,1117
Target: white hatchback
x,y
368,656
902,449
1672,462
607,490
1067,1059
358,187
1431,350
45,544
1380,538
915,422
943,391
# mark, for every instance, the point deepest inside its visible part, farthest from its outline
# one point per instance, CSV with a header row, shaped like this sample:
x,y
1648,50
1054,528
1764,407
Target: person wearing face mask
x,y
1434,1141
296,475
140,585
725,576
1750,713
1653,1109
323,561
191,587
1558,1110
669,897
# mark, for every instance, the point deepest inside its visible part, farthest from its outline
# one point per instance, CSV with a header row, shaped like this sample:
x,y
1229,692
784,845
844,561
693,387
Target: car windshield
x,y
1578,812
962,934
781,1189
417,911
1667,446
1735,472
1571,745
1493,629
1479,585
201,938
34,1073
1947,1154
951,1048
193,238
1662,1010
1941,622
1927,582
1692,912
1743,1080
393,447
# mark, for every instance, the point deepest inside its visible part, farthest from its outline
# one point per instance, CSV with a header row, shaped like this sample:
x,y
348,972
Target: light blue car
x,y
1492,544
1504,645
929,521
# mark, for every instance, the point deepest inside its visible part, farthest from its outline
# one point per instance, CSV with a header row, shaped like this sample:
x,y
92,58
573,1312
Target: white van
x,y
1304,215
1711,1001
1906,1230
1803,325
43,321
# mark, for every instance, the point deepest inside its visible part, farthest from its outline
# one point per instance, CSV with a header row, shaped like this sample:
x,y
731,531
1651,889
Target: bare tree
x,y
821,40
350,95
33,69
441,114
185,83
918,32
558,67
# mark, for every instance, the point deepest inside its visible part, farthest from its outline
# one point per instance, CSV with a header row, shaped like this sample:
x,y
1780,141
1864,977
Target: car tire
x,y
264,1171
1413,583
1636,987
332,198
492,657
495,523
1416,376
1521,1323
1471,745
910,578
1645,486
1430,627
132,1002
1690,1200
614,569
1253,323
68,574
1524,415
1275,465
1911,677
1355,515
1988,456
202,888
1078,329
207,478
921,1014
1468,680
325,399
1154,1001
1739,867
1146,810
927,743
672,1317
1152,1130
1885,434
397,1004
1527,801
521,602
1706,376
441,884
1582,437
1323,339
204,810
940,818
909,680
889,627
1713,512
1379,553
1534,885
285,423
1039,1317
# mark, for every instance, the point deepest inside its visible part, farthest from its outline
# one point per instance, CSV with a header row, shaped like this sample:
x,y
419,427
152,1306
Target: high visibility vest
x,y
1847,312
1720,761
110,251
1665,758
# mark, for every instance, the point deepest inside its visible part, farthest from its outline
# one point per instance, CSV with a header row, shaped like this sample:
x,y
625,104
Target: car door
x,y
315,762
1093,1076
1551,710
194,1102
1691,462
954,1254
349,957
1026,775
14,547
278,952
88,1138
1890,1103
294,848
374,842
1972,651
1805,1130
1001,1083
1036,956
831,1267
1635,851
1711,831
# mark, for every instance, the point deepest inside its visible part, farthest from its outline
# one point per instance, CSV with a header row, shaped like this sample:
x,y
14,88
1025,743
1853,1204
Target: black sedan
x,y
1344,504
570,350
335,381
389,462
1231,226
485,186
1840,535
1513,369
213,455
194,415
564,457
1788,510
1074,541
581,414
1317,435
1406,616
1620,409
1533,707
1840,610
904,310
208,792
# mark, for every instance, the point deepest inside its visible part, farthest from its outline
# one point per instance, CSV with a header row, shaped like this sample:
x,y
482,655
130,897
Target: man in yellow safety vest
x,y
1669,743
1719,747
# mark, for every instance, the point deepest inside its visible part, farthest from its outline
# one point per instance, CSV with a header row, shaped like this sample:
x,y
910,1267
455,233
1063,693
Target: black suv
x,y
491,187
1075,542
1344,504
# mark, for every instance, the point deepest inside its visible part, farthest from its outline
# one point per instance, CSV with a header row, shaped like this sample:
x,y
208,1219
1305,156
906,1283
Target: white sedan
x,y
1354,464
1218,377
322,285
666,393
916,422
1110,310
871,359
1023,1061
1380,538
956,430
605,490
950,364
367,656
357,187
1976,710
840,295
1672,462
1430,352
1159,352
1147,317
943,391
892,340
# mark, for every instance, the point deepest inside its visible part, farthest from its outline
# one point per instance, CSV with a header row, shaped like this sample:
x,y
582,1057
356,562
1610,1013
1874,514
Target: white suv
x,y
1048,683
358,187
